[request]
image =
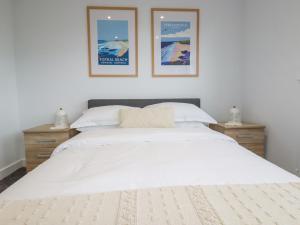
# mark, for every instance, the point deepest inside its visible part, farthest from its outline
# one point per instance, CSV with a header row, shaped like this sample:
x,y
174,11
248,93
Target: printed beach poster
x,y
113,45
175,43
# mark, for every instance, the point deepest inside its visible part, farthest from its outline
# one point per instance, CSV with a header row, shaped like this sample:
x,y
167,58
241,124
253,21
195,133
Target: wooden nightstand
x,y
41,141
251,136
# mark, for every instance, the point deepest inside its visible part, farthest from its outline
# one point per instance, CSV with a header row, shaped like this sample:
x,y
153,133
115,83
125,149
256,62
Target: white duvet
x,y
120,159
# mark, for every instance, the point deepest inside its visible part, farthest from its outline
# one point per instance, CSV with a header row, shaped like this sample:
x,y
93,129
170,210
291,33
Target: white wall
x,y
9,118
52,68
272,64
249,54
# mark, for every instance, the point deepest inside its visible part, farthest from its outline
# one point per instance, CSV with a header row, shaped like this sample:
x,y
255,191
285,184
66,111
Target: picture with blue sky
x,y
113,45
175,43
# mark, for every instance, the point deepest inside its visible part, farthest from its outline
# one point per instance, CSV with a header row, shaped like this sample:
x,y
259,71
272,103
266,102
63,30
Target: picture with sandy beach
x,y
175,43
113,46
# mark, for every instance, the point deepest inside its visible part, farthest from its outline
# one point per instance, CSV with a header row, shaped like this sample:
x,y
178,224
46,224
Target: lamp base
x,y
59,127
232,123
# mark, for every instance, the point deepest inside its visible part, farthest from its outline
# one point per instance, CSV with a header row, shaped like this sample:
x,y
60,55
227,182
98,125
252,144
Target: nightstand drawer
x,y
251,136
45,139
38,155
245,136
41,141
258,149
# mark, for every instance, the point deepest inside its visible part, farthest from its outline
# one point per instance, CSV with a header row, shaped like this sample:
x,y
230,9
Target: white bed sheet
x,y
120,159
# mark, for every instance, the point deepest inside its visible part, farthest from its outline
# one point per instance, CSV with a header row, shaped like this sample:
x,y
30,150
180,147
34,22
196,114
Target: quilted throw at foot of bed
x,y
269,204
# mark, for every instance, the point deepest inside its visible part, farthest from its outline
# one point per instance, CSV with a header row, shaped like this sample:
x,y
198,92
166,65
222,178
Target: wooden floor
x,y
7,181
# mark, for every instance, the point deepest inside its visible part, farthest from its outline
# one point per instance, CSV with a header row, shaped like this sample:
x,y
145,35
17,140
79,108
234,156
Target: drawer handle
x,y
47,141
245,136
43,156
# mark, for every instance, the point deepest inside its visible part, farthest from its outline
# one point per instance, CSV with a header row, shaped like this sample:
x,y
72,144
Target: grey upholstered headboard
x,y
139,102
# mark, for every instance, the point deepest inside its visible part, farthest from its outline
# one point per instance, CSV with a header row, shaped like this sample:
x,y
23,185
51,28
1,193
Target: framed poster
x,y
112,41
175,42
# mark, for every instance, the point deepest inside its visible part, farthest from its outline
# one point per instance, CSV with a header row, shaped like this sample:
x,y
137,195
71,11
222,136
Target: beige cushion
x,y
156,117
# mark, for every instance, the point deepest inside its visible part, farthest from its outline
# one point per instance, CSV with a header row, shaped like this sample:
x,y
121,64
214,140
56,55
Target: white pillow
x,y
100,116
187,112
85,129
189,124
156,117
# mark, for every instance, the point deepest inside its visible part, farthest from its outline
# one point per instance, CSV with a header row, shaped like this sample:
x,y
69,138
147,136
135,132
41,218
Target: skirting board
x,y
4,172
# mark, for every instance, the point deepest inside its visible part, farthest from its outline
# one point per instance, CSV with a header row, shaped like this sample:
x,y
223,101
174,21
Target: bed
x,y
154,176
